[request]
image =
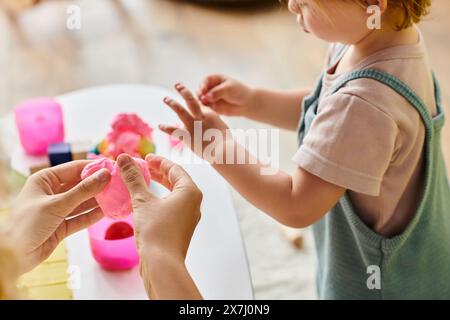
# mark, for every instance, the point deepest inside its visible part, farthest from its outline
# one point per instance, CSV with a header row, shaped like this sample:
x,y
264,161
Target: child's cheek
x,y
312,24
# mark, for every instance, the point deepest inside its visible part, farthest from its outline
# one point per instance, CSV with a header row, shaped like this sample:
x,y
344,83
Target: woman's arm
x,y
167,278
9,268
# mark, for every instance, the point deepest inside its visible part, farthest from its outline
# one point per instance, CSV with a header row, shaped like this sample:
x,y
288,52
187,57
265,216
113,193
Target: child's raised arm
x,y
227,96
298,200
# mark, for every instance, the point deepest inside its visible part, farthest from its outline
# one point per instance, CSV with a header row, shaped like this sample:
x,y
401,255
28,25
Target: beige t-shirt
x,y
370,140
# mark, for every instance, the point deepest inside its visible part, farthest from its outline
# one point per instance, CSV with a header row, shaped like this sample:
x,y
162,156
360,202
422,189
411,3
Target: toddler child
x,y
370,173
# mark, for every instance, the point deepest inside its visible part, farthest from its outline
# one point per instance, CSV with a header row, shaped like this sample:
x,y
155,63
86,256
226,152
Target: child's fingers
x,y
176,132
222,108
210,82
168,173
167,129
191,101
219,92
182,135
182,113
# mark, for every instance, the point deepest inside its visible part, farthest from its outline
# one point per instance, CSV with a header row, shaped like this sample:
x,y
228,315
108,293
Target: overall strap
x,y
429,123
398,86
439,120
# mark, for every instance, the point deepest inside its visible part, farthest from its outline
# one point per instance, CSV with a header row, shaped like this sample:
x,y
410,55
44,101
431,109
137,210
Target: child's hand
x,y
205,118
226,95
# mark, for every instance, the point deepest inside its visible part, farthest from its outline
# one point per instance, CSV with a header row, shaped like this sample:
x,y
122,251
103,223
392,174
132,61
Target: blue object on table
x,y
59,153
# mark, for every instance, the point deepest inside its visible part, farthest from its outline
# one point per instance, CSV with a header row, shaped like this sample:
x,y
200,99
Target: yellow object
x,y
49,280
103,146
145,147
3,213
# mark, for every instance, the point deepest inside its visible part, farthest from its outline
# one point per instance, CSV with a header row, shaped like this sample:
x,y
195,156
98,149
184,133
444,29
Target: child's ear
x,y
382,4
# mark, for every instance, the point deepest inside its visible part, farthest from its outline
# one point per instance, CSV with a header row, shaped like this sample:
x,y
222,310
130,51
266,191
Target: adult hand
x,y
165,224
53,204
163,227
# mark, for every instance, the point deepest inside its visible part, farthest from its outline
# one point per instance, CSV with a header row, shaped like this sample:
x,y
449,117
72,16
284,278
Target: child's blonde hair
x,y
404,13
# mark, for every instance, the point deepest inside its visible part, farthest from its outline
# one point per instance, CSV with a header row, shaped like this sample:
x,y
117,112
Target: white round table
x,y
216,257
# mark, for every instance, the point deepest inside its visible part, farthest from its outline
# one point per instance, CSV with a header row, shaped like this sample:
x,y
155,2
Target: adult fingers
x,y
83,191
133,178
171,173
64,173
154,165
84,207
82,221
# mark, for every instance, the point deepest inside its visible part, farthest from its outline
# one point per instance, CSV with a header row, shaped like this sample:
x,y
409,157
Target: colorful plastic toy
x,y
39,123
129,134
113,245
59,153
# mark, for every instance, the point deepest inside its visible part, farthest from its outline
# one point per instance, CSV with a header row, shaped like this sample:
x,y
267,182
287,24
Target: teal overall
x,y
354,262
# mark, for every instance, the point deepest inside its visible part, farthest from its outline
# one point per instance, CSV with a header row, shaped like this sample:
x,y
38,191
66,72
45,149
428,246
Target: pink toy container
x,y
119,254
40,123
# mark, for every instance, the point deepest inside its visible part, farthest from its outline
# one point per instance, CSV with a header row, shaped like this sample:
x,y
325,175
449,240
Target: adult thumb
x,y
132,175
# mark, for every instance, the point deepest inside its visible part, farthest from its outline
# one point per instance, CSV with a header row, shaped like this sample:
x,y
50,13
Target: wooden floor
x,y
161,42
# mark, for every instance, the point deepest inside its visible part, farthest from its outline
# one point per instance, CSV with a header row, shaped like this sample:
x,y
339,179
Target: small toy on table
x,y
113,245
39,123
59,153
129,134
40,127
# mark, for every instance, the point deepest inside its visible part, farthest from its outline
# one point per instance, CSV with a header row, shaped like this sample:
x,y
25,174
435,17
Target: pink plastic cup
x,y
120,254
40,123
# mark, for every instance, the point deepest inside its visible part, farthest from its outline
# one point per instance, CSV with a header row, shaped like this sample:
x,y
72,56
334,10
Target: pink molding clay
x,y
114,200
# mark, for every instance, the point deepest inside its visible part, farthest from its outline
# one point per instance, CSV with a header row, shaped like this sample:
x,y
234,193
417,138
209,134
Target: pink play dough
x,y
114,200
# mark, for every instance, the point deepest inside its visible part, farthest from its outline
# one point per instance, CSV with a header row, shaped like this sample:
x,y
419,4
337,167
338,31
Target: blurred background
x,y
161,42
